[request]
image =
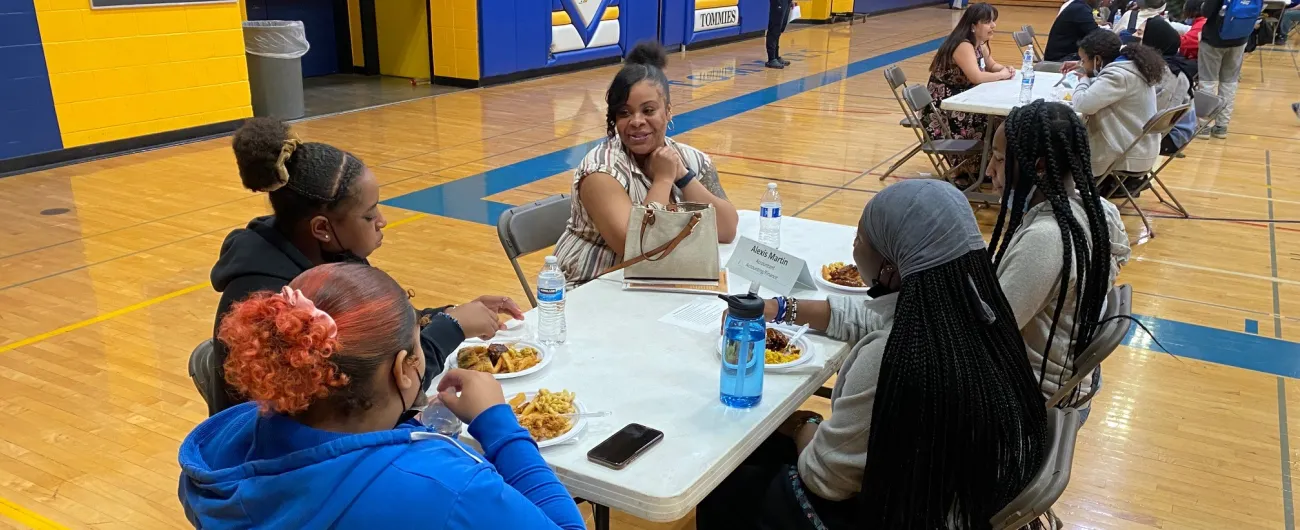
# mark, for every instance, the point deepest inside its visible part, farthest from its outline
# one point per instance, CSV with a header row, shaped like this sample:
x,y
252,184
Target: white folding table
x,y
620,358
997,99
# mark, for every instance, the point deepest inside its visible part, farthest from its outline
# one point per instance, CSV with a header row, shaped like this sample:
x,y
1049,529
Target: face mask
x,y
408,412
879,288
1029,197
343,256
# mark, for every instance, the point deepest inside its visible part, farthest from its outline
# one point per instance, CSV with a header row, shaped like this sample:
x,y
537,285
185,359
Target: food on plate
x,y
498,358
776,353
542,414
839,273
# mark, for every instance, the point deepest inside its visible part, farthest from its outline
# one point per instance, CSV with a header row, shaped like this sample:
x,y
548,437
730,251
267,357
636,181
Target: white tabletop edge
x,y
817,242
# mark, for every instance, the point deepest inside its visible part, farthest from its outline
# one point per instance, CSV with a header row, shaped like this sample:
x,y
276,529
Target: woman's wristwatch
x,y
686,179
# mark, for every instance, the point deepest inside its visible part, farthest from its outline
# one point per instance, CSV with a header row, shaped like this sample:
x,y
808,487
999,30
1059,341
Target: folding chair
x,y
1038,48
1053,475
1118,303
1159,125
1207,107
897,81
1024,40
204,373
918,99
528,228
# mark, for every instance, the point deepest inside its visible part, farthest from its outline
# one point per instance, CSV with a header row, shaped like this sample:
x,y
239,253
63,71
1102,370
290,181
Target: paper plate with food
x,y
504,360
778,357
543,414
841,276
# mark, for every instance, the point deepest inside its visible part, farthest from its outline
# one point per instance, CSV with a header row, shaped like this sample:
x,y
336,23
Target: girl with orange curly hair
x,y
333,362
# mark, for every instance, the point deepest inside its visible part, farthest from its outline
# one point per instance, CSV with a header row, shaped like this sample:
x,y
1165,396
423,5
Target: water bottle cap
x,y
771,185
746,305
552,260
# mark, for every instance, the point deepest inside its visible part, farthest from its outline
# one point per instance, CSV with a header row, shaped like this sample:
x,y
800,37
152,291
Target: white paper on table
x,y
703,316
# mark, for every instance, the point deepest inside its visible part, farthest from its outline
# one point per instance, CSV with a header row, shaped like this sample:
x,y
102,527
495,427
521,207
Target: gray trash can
x,y
274,49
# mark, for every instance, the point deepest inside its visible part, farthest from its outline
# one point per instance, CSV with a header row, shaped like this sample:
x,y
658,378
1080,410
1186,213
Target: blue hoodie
x,y
240,469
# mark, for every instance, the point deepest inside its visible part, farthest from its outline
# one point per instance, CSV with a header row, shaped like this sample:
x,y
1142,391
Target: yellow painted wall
x,y
403,34
841,6
354,31
814,9
120,73
455,38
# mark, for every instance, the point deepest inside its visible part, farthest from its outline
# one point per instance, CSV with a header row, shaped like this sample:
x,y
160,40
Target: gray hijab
x,y
920,224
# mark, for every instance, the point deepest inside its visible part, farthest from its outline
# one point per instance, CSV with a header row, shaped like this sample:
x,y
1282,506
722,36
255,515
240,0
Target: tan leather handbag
x,y
680,243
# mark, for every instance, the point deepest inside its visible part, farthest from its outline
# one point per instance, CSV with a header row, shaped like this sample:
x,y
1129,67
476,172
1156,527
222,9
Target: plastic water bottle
x,y
551,328
1027,77
744,351
769,223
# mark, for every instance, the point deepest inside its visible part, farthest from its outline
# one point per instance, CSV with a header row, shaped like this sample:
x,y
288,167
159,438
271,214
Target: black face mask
x,y
878,288
342,256
407,412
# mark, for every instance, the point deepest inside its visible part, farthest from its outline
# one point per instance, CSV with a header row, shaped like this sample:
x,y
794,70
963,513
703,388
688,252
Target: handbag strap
x,y
661,251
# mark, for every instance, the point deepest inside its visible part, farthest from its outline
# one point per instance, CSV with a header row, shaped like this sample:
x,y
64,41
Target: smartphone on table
x,y
619,450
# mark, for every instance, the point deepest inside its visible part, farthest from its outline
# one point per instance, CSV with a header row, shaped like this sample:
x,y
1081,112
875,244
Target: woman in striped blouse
x,y
637,164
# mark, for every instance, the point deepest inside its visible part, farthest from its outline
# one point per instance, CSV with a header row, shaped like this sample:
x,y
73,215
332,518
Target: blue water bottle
x,y
744,348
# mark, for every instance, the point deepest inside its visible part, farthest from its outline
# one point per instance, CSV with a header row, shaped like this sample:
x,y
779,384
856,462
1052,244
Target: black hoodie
x,y
259,258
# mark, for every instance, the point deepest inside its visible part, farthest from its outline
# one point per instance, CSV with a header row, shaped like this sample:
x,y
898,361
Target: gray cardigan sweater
x,y
1030,275
832,465
1117,104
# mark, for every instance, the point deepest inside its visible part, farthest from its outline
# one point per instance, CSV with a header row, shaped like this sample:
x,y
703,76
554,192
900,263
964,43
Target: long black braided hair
x,y
959,426
1053,134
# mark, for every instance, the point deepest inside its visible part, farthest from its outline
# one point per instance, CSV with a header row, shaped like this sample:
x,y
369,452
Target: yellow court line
x,y
27,517
100,318
141,305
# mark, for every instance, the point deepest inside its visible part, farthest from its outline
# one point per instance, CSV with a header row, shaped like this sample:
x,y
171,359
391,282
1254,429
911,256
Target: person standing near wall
x,y
778,16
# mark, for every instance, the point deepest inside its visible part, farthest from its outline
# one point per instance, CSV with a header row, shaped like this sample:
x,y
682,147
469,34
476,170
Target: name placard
x,y
770,267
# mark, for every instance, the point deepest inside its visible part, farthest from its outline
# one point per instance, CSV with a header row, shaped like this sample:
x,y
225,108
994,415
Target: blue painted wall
x,y
516,36
636,20
876,6
317,18
672,22
27,121
753,15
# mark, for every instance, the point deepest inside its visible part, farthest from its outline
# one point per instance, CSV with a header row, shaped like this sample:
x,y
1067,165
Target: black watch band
x,y
686,179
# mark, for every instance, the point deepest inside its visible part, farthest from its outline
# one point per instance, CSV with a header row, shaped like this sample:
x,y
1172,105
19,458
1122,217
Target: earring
x,y
670,124
327,238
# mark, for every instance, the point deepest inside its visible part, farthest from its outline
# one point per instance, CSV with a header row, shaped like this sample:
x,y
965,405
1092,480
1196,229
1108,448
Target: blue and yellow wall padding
x,y
693,23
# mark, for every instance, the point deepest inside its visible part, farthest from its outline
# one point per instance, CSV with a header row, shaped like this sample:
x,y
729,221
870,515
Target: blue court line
x,y
1219,346
463,198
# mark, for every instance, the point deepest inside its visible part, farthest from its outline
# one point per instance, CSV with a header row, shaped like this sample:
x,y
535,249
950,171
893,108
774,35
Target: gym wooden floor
x,y
100,306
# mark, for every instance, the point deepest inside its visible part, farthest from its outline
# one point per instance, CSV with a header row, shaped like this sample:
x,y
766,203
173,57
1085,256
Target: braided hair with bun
x,y
290,359
1053,134
645,62
302,178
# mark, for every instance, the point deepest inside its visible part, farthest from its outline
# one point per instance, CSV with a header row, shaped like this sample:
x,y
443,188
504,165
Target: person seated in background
x,y
1116,91
1054,234
333,361
1190,42
637,164
1070,25
936,422
963,61
1175,88
1130,23
1289,18
325,205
